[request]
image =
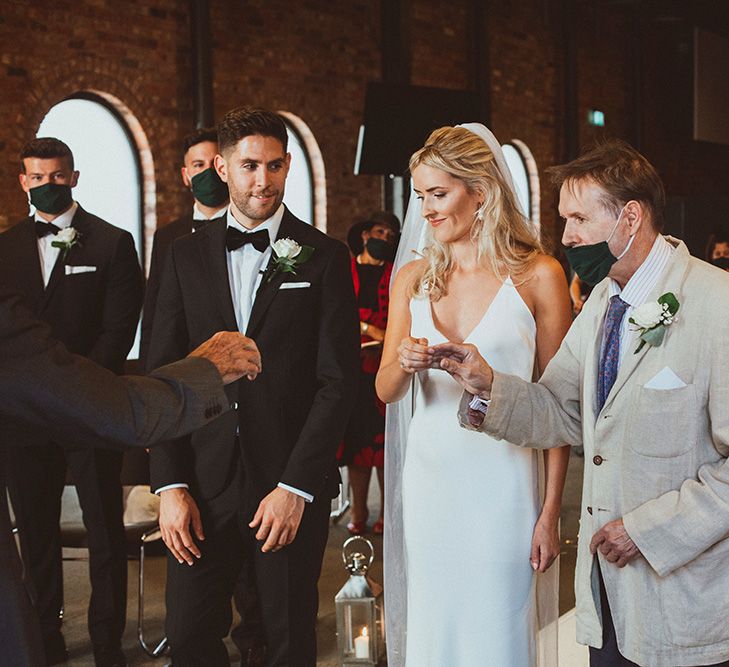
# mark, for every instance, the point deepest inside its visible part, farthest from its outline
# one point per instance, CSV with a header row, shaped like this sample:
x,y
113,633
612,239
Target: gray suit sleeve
x,y
43,384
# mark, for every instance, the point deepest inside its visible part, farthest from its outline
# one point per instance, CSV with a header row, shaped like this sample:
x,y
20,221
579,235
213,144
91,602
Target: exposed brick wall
x,y
137,52
313,62
314,57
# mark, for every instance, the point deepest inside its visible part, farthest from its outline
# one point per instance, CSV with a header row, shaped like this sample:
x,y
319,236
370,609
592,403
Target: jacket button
x,y
589,510
597,460
234,405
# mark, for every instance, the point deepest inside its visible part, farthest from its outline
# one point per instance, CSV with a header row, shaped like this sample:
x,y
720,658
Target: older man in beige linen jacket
x,y
655,505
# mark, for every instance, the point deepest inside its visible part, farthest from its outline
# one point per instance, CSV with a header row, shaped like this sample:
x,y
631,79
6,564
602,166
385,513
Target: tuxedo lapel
x,y
670,282
268,289
213,258
80,223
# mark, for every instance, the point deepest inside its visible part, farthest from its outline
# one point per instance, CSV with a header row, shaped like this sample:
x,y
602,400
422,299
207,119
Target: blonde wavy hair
x,y
506,242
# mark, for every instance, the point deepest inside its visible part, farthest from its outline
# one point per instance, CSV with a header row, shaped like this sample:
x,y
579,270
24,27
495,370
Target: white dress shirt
x,y
245,267
47,253
636,291
197,214
246,264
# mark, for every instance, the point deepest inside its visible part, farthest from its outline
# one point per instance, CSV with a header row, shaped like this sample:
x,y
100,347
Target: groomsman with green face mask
x,y
210,196
81,276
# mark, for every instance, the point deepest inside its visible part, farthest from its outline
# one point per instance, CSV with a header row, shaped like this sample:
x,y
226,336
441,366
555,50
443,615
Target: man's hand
x,y
464,363
277,519
177,511
233,354
614,543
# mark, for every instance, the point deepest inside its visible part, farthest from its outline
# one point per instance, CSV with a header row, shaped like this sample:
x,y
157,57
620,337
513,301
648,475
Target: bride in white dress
x,y
467,534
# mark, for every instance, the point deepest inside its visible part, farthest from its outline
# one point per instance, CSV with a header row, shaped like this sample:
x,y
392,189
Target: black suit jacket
x,y
161,245
291,418
72,398
94,313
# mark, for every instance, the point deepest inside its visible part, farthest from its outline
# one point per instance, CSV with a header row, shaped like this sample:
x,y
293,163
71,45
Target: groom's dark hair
x,y
247,121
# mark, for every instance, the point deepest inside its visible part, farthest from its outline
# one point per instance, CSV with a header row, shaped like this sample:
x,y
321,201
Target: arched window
x,y
306,182
105,153
526,177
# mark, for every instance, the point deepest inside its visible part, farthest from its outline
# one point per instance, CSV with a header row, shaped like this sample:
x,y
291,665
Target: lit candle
x,y
362,645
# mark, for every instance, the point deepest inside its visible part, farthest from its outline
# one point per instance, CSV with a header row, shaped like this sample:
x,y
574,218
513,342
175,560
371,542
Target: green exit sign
x,y
596,117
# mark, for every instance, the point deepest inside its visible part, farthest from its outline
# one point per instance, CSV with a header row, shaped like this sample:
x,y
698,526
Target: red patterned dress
x,y
363,443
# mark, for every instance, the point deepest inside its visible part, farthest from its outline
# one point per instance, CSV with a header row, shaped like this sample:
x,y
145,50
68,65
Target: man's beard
x,y
244,204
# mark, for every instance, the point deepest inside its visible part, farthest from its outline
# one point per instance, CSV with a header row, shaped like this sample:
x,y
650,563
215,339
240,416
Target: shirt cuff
x,y
306,496
480,404
178,485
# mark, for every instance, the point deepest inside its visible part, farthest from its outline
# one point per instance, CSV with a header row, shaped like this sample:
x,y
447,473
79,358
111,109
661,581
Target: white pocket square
x,y
665,379
294,285
70,270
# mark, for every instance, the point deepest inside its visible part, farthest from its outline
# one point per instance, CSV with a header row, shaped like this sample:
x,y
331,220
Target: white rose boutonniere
x,y
287,255
65,240
652,318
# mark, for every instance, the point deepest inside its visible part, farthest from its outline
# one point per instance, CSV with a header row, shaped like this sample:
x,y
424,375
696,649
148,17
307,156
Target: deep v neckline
x,y
476,326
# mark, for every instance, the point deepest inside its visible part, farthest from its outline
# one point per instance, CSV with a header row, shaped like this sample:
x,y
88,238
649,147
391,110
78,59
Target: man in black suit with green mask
x,y
211,199
81,276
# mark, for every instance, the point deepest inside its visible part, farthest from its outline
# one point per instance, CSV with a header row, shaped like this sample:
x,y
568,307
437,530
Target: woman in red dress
x,y
373,246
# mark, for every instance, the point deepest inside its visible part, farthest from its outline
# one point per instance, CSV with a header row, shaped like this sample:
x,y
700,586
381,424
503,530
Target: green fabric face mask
x,y
208,189
51,198
592,263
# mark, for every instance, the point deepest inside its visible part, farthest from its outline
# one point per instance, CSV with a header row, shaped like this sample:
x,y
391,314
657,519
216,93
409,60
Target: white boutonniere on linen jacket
x,y
652,318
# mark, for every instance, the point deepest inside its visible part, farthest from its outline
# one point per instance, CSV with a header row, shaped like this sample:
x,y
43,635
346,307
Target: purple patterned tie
x,y
608,370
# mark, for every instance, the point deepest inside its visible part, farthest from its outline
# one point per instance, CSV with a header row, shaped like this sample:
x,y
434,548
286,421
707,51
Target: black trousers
x,y
20,638
609,655
36,477
198,597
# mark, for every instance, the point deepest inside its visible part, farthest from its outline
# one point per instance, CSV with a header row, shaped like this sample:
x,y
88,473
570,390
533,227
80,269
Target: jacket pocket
x,y
663,422
695,600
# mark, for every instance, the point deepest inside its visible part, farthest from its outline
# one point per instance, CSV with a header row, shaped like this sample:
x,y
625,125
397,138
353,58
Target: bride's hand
x,y
414,354
545,543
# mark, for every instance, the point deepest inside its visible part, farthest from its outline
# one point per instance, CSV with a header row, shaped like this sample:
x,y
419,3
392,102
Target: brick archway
x,y
108,90
316,163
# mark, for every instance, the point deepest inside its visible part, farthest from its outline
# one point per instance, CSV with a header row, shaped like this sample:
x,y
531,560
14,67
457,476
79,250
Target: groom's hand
x,y
277,518
465,365
177,512
614,543
233,354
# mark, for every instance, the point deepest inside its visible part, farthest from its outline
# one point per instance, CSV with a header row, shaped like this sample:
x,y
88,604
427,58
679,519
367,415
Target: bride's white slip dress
x,y
469,508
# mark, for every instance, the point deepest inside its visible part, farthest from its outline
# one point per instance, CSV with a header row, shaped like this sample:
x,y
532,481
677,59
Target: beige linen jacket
x,y
657,458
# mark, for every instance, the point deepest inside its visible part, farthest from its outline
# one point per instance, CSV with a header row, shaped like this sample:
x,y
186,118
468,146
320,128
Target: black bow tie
x,y
45,228
235,239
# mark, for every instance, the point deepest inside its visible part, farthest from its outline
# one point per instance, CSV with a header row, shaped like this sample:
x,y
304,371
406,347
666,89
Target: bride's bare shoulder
x,y
545,278
406,274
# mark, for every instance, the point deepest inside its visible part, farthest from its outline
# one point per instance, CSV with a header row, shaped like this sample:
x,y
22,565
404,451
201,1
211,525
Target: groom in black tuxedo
x,y
255,486
81,276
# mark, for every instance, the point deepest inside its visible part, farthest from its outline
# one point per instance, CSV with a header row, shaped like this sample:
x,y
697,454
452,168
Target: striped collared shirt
x,y
636,290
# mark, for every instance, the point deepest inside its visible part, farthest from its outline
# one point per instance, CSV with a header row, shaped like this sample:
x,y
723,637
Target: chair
x,y
340,504
141,535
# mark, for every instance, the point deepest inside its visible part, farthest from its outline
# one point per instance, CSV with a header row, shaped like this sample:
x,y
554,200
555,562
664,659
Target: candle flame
x,y
364,632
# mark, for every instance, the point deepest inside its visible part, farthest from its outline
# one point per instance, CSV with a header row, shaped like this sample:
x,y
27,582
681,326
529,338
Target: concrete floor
x,y
333,577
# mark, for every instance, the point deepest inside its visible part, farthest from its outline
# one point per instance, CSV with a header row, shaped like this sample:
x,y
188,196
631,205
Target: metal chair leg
x,y
161,648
